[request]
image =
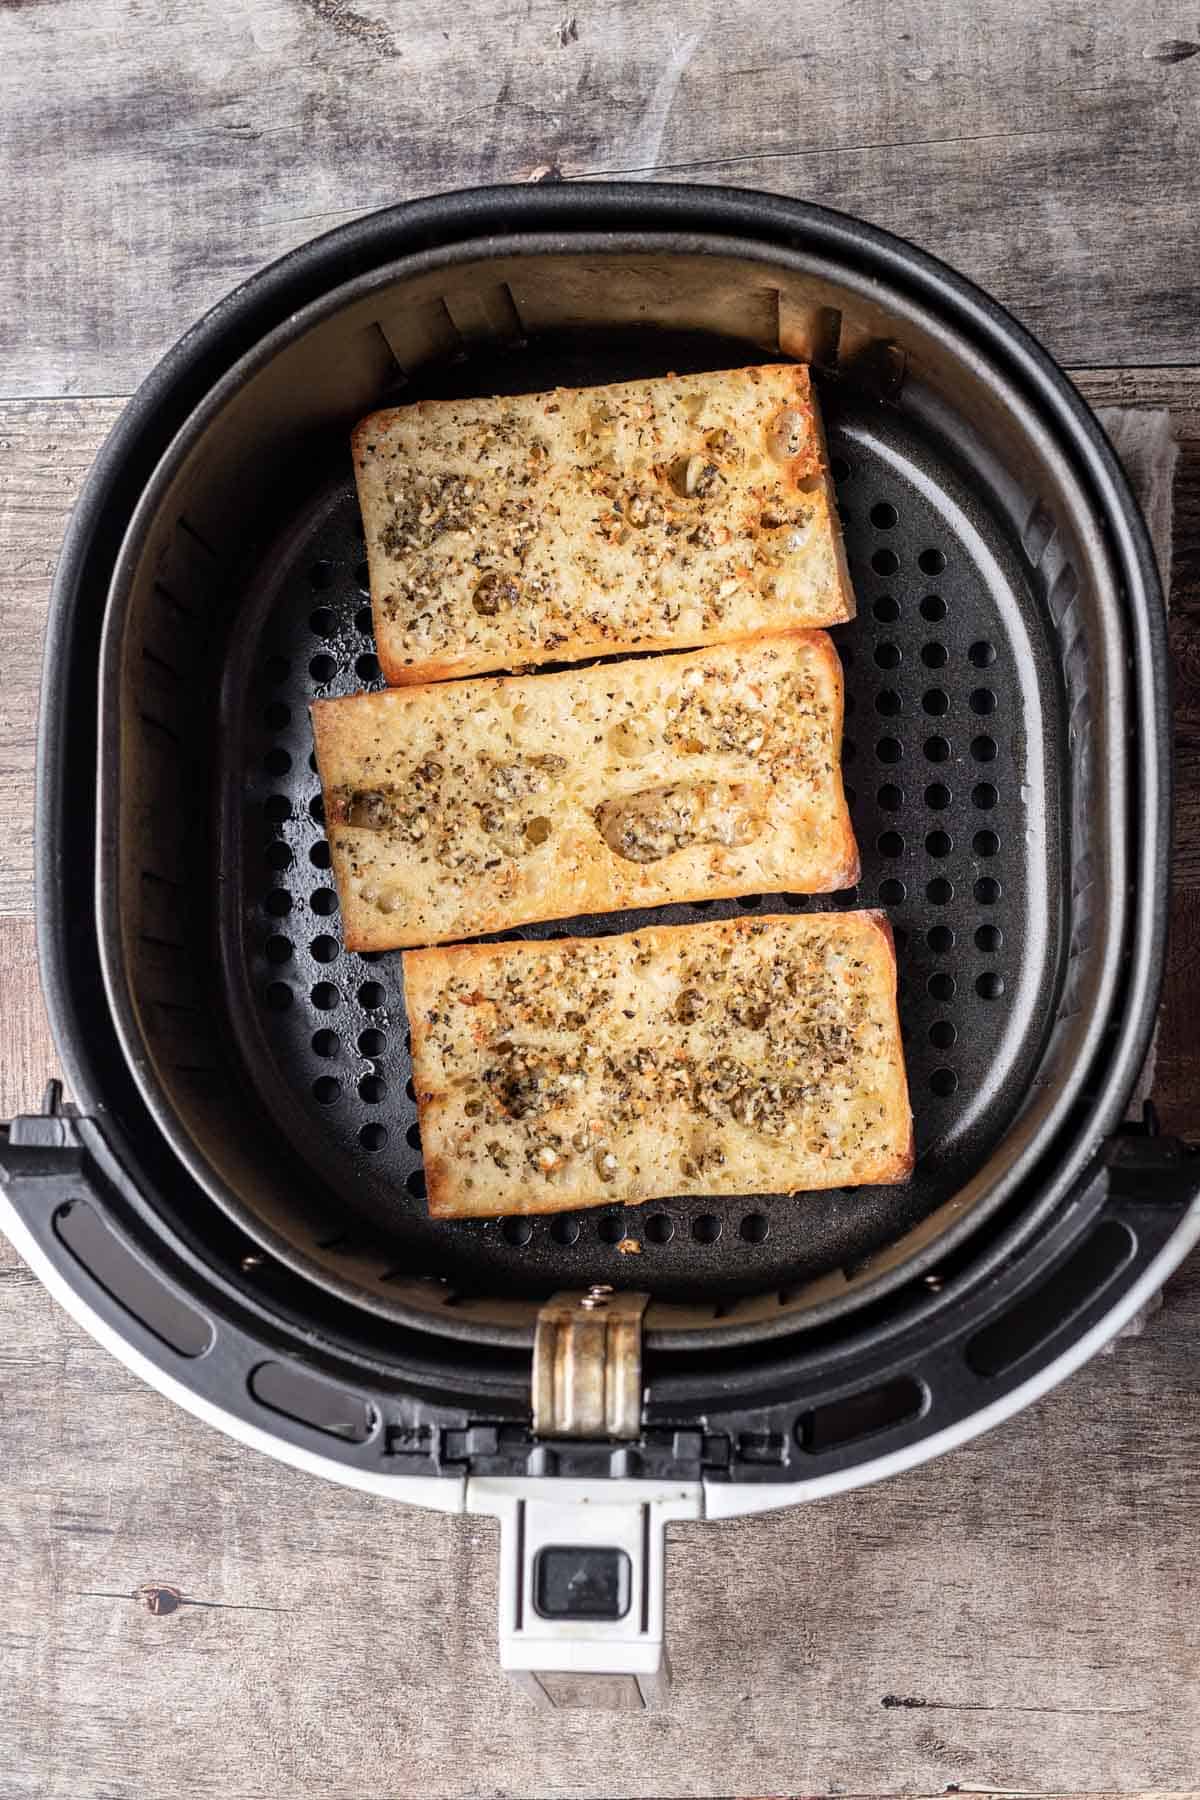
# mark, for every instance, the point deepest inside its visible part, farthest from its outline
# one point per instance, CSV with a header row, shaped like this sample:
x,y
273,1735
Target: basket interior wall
x,y
971,736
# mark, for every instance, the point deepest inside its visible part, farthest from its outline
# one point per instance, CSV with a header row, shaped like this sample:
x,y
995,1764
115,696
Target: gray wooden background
x,y
1022,1615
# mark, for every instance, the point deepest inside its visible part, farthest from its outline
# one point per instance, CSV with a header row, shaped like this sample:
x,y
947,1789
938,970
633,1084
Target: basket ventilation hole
x,y
943,1082
985,843
278,903
987,890
990,986
888,656
933,608
323,902
934,656
942,1034
939,891
323,622
937,749
325,997
277,762
931,562
885,562
983,701
323,949
891,844
940,939
890,797
989,938
321,575
886,610
892,891
326,1043
982,654
884,516
366,666
326,1090
660,1228
362,576
983,748
516,1231
319,856
371,996
372,1042
936,702
564,1229
939,843
889,750
942,986
888,702
754,1228
984,796
279,949
937,796
322,668
372,1089
706,1228
610,1230
364,621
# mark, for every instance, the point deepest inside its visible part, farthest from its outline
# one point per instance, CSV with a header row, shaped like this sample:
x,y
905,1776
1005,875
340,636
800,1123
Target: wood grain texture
x,y
1025,1608
29,1059
45,451
1019,1615
179,147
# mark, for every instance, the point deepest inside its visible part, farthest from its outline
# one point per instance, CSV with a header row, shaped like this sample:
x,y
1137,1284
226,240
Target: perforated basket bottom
x,y
947,687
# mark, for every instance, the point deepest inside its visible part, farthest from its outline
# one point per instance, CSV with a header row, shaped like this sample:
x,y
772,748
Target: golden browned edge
x,y
901,1170
429,970
844,866
401,674
829,494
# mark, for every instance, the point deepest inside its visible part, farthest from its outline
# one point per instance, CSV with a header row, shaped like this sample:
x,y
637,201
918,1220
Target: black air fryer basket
x,y
235,1203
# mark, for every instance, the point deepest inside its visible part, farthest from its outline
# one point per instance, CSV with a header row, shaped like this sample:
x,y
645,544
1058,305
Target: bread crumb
x,y
629,1247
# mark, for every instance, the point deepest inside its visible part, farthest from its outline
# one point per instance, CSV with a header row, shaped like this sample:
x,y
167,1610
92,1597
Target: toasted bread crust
x,y
477,806
740,1057
650,515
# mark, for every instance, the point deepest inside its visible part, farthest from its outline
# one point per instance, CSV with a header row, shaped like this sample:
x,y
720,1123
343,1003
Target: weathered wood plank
x,y
45,451
1020,1615
29,1059
1048,150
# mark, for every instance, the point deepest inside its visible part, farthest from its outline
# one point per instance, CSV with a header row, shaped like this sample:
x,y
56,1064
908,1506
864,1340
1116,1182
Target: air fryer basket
x,y
234,1203
988,692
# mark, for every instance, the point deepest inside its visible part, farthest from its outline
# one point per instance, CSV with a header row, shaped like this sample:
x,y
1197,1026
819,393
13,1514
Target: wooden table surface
x,y
1023,1614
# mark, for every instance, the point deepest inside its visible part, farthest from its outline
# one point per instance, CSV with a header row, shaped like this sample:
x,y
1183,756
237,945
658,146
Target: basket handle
x,y
582,1586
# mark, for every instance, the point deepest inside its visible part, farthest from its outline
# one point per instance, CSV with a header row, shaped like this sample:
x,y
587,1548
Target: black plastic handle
x,y
259,1364
266,1366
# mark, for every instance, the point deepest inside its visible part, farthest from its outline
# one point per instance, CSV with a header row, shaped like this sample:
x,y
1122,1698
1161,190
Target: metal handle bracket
x,y
587,1365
